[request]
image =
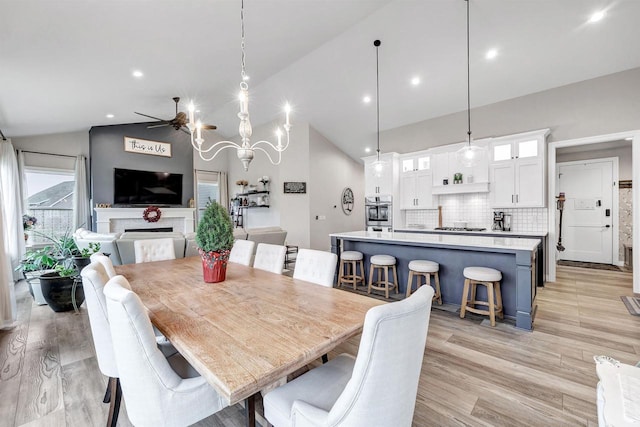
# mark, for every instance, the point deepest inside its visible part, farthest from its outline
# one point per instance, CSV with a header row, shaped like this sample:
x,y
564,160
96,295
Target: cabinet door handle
x,y
512,198
517,198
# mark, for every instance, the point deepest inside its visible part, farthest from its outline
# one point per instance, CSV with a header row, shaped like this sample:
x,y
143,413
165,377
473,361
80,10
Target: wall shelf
x,y
476,187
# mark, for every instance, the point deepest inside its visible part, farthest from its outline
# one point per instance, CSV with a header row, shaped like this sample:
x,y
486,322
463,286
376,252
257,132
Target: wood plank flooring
x,y
472,375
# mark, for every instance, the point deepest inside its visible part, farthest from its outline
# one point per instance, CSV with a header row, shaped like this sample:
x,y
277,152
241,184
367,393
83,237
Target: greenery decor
x,y
215,230
214,238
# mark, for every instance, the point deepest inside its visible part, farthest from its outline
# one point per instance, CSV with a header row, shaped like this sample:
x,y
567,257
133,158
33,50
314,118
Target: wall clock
x,y
347,201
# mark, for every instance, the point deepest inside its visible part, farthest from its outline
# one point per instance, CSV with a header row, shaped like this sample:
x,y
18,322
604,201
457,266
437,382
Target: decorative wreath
x,y
152,214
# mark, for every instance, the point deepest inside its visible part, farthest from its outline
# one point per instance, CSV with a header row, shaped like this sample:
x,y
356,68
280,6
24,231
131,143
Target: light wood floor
x,y
472,375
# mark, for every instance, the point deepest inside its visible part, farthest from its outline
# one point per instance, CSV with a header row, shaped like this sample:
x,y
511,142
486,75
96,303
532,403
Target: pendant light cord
x,y
377,44
468,83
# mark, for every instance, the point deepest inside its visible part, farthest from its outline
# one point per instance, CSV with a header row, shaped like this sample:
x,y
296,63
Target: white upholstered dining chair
x,y
270,257
154,250
106,263
154,392
242,252
378,388
316,266
94,279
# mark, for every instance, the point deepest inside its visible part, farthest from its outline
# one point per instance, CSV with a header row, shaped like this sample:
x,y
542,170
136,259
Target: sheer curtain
x,y
224,190
22,180
81,215
11,230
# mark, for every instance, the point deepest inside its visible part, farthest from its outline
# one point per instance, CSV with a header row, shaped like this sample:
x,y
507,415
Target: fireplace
x,y
118,220
149,230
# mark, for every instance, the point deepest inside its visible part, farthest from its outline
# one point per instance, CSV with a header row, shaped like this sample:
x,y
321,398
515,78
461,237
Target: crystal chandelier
x,y
245,150
469,154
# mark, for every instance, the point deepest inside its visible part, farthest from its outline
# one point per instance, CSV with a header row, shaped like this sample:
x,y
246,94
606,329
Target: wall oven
x,y
379,212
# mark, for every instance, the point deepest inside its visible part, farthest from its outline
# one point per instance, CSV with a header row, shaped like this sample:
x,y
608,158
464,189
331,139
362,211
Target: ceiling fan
x,y
179,122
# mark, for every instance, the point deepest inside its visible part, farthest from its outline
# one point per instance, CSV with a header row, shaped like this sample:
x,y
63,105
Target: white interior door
x,y
587,229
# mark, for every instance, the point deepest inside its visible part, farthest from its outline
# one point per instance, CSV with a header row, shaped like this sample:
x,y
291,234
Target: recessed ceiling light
x,y
597,16
491,53
367,150
137,74
366,99
110,116
629,139
415,81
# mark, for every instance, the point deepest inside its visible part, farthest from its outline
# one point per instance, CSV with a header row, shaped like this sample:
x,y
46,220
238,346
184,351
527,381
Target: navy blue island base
x,y
515,258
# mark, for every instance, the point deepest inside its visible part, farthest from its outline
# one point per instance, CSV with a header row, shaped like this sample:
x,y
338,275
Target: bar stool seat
x,y
383,260
425,268
490,278
382,263
349,260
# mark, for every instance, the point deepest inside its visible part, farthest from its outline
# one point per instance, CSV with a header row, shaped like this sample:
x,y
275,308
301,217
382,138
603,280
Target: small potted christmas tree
x,y
214,238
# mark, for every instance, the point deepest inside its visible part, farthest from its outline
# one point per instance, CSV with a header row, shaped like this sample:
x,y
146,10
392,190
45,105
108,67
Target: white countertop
x,y
476,241
480,233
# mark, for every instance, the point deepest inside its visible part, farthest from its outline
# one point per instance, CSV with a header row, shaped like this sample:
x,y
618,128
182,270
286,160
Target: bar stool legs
x,y
490,278
349,261
423,268
382,263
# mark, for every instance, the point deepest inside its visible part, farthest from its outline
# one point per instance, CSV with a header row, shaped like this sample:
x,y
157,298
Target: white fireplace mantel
x,y
116,220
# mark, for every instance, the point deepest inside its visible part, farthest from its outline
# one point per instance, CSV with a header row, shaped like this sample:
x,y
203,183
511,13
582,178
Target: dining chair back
x,y
154,393
154,250
106,263
94,279
242,252
315,266
379,387
270,257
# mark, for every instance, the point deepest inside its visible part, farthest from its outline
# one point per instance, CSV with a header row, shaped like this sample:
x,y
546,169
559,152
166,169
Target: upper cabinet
x,y
381,182
416,182
517,170
445,165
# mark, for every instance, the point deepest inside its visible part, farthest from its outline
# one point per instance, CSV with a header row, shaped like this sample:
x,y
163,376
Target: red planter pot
x,y
214,265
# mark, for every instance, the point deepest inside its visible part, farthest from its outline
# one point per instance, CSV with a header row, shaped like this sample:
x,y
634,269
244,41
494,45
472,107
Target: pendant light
x,y
378,166
469,154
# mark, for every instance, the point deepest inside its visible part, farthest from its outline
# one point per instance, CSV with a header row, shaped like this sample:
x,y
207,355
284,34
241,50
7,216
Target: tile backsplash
x,y
474,208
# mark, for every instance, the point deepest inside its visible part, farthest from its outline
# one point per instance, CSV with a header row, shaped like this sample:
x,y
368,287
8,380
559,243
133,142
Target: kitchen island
x,y
514,257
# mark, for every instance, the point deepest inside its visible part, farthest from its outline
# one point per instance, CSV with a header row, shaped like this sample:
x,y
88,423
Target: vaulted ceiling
x,y
65,65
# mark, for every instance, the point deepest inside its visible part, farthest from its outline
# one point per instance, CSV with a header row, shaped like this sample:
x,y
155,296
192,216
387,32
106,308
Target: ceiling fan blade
x,y
151,117
157,126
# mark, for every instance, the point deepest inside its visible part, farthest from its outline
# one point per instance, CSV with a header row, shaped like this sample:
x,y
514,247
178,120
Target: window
x,y
206,189
50,200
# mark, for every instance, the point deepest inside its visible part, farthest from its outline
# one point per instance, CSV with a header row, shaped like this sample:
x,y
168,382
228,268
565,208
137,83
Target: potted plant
x,y
214,238
82,257
28,222
59,282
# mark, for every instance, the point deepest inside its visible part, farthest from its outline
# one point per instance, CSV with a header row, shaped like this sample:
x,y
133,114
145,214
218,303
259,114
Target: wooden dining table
x,y
250,330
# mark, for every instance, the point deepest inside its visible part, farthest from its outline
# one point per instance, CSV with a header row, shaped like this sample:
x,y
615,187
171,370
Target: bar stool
x,y
349,260
380,263
490,278
424,268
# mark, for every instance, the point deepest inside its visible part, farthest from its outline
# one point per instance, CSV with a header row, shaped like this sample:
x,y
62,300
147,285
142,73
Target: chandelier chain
x,y
244,75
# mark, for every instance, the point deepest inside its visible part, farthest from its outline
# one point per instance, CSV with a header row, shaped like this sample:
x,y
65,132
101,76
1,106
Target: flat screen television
x,y
134,187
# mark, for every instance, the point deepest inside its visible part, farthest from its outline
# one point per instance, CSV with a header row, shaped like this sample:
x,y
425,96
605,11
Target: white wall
x,y
331,171
70,144
622,153
598,106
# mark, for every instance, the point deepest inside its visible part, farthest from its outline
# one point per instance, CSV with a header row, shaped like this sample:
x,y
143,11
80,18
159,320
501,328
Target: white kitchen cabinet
x,y
517,170
415,190
385,183
445,164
